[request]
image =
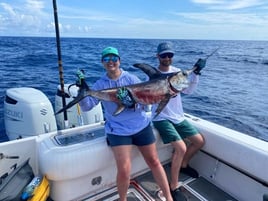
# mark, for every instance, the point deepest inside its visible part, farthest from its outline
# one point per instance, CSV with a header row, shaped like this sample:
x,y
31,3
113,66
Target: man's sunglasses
x,y
110,58
169,55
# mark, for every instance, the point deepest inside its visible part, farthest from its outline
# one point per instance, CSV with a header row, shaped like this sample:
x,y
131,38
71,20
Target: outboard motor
x,y
76,117
27,112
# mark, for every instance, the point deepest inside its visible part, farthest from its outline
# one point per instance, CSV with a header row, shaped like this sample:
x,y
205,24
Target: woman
x,y
130,127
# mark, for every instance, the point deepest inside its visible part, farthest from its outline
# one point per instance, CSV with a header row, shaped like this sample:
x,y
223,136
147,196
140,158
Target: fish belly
x,y
150,93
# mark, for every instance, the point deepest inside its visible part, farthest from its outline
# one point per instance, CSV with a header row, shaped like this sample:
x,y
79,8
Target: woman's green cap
x,y
109,50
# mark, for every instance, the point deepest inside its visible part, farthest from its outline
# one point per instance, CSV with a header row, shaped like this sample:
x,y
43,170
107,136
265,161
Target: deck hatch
x,y
133,194
208,190
74,138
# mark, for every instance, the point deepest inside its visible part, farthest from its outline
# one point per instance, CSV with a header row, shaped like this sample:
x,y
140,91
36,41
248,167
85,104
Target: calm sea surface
x,y
232,91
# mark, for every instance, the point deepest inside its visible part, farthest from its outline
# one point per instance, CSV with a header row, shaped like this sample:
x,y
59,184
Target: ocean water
x,y
232,90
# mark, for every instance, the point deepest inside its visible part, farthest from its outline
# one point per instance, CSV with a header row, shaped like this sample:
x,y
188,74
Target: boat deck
x,y
143,188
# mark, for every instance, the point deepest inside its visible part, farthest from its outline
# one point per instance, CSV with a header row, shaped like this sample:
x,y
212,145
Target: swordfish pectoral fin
x,y
82,94
161,106
119,109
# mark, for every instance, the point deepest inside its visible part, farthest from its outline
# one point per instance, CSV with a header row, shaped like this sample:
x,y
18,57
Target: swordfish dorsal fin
x,y
149,70
152,72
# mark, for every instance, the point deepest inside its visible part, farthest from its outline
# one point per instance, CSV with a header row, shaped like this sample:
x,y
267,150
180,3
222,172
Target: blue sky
x,y
165,19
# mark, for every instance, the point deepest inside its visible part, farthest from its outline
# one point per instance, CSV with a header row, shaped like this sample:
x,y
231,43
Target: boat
x,y
79,164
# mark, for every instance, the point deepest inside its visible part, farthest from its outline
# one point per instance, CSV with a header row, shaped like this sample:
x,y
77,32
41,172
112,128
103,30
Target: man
x,y
172,125
130,127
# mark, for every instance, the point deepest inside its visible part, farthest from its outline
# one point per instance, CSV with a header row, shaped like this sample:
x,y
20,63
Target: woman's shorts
x,y
142,138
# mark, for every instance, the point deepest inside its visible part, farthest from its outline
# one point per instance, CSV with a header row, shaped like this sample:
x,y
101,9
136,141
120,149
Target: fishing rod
x,y
60,62
196,69
212,53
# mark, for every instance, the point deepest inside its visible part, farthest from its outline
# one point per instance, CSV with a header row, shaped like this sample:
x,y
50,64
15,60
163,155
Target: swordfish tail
x,y
83,93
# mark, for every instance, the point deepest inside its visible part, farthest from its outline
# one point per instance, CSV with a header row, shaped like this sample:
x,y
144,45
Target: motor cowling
x,y
27,112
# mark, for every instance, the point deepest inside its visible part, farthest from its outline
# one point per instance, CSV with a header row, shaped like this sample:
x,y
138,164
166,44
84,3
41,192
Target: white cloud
x,y
27,18
87,28
34,6
8,8
230,4
35,17
207,1
86,17
226,18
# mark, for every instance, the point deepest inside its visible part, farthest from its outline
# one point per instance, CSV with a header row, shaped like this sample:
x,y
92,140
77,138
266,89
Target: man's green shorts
x,y
171,132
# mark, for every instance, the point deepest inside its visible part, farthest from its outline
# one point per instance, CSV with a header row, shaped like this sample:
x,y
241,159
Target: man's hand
x,y
200,64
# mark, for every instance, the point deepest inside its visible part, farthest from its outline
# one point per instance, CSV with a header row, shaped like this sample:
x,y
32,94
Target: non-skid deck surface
x,y
204,190
144,188
134,194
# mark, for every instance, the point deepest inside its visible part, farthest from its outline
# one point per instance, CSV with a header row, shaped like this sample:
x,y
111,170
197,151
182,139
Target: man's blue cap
x,y
165,47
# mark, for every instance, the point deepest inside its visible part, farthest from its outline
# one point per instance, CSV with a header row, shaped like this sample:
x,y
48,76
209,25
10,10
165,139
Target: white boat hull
x,y
234,162
89,165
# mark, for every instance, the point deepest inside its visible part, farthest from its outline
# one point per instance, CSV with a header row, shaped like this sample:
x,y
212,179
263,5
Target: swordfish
x,y
158,90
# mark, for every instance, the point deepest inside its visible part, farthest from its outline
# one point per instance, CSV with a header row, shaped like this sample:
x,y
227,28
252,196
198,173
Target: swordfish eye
x,y
179,81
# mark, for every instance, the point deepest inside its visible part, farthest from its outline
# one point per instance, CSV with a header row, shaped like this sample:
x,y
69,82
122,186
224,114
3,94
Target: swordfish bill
x,y
158,90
